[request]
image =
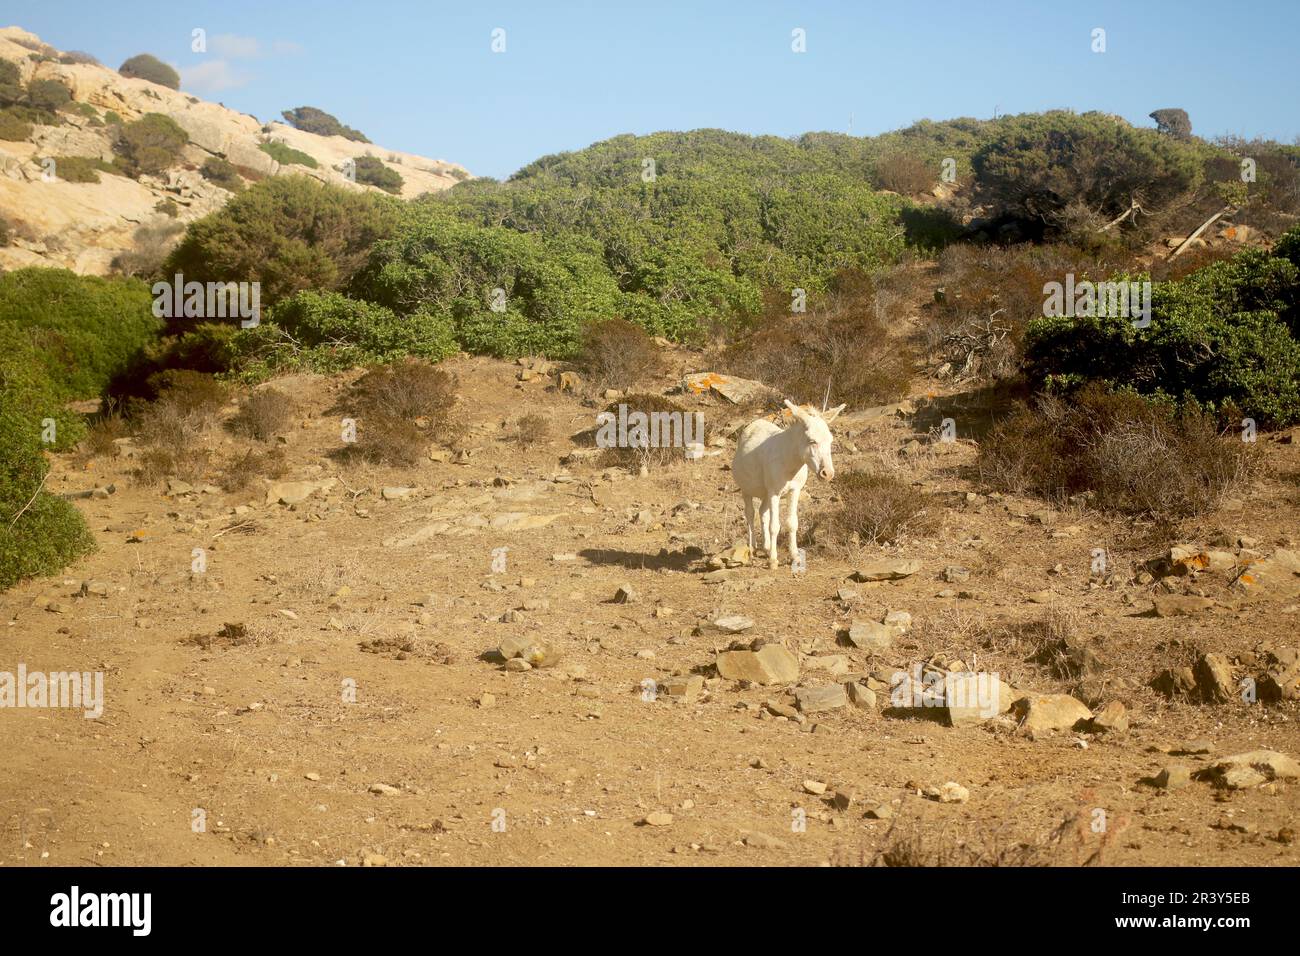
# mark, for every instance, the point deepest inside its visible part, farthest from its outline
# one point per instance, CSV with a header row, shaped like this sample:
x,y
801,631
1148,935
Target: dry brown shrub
x,y
403,407
618,354
843,343
904,173
239,472
873,507
531,429
670,436
264,414
1129,454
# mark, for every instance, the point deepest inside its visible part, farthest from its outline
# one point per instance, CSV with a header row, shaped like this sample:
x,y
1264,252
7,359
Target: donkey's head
x,y
815,437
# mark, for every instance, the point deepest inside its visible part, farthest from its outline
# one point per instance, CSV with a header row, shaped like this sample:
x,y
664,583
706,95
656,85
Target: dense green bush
x,y
62,337
85,329
547,290
311,120
1040,164
328,332
1224,336
222,173
289,233
286,155
150,144
39,533
145,66
11,83
49,95
371,172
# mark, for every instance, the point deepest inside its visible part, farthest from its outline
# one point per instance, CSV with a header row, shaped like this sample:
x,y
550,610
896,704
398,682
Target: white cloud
x,y
212,76
235,47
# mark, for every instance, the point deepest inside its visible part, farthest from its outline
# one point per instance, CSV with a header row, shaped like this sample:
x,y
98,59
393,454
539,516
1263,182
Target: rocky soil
x,y
515,655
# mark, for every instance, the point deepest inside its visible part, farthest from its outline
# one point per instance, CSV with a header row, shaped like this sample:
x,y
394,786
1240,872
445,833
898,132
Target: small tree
x,y
150,144
1173,122
11,83
48,95
311,120
144,66
223,173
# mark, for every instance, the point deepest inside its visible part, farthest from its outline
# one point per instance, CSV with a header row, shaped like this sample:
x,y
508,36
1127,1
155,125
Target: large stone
x,y
972,698
871,635
1113,718
1214,678
296,492
1277,576
886,570
737,391
821,697
1251,768
1040,712
770,664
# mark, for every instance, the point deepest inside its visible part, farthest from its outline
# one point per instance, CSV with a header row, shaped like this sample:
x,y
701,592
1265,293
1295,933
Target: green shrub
x,y
150,144
144,66
327,332
85,329
112,118
219,171
11,83
372,172
5,232
82,169
311,120
288,233
48,95
1224,336
13,128
286,155
72,57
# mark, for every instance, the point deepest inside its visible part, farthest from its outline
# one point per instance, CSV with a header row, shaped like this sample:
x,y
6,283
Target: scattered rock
x,y
770,664
733,624
870,635
1113,718
886,570
1041,712
821,697
1250,769
1179,605
657,819
1214,678
1173,776
950,792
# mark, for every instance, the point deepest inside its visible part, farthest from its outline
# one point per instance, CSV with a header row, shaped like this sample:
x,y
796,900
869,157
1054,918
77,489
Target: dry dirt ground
x,y
258,734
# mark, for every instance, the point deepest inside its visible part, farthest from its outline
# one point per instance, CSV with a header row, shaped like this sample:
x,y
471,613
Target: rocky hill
x,y
84,226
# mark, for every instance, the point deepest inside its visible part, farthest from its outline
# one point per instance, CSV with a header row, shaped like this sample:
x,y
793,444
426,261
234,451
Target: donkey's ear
x,y
829,416
795,410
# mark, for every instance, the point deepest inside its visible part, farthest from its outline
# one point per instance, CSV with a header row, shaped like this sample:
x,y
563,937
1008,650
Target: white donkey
x,y
771,460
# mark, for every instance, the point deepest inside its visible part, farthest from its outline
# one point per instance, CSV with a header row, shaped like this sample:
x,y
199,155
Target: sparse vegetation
x,y
264,414
401,409
48,95
286,155
872,507
82,169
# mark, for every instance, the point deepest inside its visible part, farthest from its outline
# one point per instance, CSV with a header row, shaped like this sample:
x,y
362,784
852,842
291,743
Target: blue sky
x,y
422,77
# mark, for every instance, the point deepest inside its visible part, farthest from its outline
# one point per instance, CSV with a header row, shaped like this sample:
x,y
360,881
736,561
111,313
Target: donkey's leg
x,y
764,506
750,513
774,520
792,524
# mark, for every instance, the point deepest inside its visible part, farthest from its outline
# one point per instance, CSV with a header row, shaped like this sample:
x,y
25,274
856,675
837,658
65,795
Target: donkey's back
x,y
749,466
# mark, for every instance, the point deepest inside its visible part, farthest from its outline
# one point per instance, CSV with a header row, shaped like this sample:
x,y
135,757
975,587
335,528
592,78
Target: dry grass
x,y
239,472
531,429
170,430
873,507
904,173
668,452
